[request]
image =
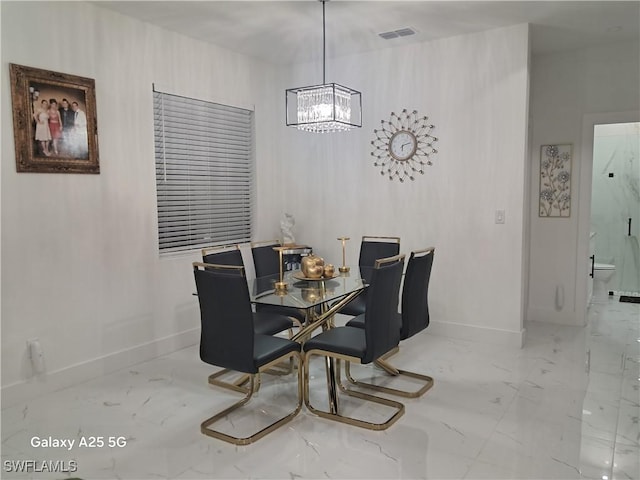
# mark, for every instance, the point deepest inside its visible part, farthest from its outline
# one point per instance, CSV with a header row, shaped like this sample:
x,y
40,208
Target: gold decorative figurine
x,y
312,267
343,268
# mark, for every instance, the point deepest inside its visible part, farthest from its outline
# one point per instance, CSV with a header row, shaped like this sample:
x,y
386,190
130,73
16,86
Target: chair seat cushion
x,y
343,340
267,348
357,306
282,310
269,323
357,322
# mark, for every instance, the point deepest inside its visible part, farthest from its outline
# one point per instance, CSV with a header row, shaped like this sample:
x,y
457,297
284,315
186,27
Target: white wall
x,y
80,264
566,88
474,89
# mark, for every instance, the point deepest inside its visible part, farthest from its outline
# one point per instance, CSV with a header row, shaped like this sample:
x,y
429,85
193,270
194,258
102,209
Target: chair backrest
x,y
227,255
415,306
382,324
227,334
373,248
265,259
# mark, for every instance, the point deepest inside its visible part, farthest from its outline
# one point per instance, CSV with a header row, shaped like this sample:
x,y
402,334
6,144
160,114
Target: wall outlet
x,y
34,350
499,216
30,343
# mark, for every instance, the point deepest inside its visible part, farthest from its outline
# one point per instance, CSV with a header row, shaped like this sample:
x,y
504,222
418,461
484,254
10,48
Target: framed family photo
x,y
54,121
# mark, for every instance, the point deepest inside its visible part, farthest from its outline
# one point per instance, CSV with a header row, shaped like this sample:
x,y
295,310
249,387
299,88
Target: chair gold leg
x,y
397,406
205,426
391,370
281,369
391,352
236,386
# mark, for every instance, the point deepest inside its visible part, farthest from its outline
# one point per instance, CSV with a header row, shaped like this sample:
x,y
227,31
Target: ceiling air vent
x,y
403,32
388,35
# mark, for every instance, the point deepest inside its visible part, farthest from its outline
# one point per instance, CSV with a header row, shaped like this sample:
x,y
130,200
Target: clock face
x,y
403,145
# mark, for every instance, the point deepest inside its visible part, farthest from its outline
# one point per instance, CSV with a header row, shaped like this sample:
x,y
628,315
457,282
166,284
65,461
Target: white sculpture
x,y
286,227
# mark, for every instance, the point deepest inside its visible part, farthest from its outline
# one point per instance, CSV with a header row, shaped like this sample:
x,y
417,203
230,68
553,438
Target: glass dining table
x,y
320,300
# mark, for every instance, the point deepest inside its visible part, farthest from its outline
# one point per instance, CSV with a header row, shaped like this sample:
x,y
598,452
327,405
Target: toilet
x,y
602,275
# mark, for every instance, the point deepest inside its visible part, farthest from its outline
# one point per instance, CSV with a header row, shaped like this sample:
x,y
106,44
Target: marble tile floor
x,y
566,406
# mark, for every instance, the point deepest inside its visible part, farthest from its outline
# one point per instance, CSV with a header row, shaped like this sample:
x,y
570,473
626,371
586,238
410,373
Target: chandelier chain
x,y
324,46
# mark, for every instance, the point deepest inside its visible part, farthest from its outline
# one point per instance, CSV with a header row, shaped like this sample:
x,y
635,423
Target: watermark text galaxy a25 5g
x,y
81,442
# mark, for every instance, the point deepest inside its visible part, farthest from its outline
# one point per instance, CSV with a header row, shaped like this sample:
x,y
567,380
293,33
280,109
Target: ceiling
x,y
286,32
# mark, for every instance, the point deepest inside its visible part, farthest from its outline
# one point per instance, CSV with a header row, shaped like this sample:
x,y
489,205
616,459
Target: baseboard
x,y
478,334
66,377
553,316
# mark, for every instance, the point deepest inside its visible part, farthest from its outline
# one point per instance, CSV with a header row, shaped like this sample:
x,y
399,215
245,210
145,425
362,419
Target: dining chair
x,y
265,322
414,319
381,334
371,249
223,255
266,261
228,340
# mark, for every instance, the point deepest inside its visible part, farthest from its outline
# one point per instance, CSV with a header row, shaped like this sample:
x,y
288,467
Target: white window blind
x,y
204,172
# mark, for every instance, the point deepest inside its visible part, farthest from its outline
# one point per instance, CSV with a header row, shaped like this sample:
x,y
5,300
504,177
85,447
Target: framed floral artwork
x,y
54,121
555,181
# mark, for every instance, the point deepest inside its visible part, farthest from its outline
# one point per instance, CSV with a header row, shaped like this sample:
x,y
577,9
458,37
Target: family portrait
x,y
60,126
54,121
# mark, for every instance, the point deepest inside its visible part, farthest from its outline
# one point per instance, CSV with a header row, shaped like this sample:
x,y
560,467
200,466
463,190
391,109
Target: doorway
x,y
585,174
615,204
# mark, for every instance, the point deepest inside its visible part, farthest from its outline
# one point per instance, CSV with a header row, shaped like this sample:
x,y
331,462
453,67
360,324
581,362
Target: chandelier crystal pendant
x,y
324,108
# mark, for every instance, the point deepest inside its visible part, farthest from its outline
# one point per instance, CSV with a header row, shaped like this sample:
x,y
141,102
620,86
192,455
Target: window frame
x,y
205,172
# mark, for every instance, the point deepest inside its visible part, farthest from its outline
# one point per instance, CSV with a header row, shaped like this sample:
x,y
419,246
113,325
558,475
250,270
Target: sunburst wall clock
x,y
404,145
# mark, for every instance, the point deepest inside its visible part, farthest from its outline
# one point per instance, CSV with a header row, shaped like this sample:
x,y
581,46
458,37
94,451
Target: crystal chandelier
x,y
324,108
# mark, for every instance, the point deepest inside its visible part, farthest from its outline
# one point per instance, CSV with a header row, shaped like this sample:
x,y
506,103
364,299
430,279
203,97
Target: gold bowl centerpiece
x,y
313,267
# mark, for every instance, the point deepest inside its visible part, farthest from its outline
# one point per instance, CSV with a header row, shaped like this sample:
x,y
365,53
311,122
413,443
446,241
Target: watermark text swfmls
x,y
39,466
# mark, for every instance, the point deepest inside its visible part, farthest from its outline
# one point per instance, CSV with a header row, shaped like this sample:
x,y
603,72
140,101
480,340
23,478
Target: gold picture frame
x,y
54,121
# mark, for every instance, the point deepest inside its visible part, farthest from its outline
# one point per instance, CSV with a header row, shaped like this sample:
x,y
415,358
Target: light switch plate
x,y
499,216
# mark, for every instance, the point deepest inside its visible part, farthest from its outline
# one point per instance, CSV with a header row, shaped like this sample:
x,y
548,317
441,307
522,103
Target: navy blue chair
x,y
380,335
414,319
371,249
266,261
267,322
228,340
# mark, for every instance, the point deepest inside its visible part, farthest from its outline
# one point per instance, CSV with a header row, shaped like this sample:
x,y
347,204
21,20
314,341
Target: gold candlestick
x,y
281,286
343,268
